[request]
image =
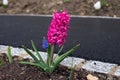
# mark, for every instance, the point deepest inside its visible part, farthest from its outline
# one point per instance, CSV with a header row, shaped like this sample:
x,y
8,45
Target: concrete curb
x,y
90,65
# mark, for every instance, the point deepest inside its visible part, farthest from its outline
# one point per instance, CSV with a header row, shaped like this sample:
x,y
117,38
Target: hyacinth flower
x,y
58,28
57,33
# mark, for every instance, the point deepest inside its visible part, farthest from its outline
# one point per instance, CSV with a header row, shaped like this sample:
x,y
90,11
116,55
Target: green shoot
x,y
71,71
104,3
66,0
9,55
1,62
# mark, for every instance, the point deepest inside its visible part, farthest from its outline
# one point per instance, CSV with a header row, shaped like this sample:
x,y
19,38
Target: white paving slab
x,y
72,61
3,47
98,66
43,55
117,73
17,51
14,51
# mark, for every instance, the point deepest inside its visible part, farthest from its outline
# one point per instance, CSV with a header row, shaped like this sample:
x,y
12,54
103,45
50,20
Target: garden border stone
x,y
89,65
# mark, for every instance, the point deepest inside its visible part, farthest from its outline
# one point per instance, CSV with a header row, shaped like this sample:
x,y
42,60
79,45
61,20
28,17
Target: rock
x,y
5,2
28,11
50,5
97,5
91,77
59,2
114,16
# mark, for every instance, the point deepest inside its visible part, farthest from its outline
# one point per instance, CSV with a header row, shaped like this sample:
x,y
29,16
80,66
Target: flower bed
x,y
19,71
75,7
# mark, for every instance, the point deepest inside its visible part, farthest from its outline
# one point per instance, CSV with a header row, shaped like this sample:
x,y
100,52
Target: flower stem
x,y
51,54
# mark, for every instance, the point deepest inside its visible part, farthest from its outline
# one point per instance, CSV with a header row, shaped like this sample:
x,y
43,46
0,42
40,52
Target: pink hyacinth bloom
x,y
58,28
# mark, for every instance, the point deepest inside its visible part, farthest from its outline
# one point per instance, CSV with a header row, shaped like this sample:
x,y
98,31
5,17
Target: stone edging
x,y
90,65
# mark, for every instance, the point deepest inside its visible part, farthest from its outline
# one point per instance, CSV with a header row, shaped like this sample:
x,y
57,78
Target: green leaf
x,y
1,62
63,56
35,49
31,54
30,63
9,55
34,57
104,3
33,64
59,52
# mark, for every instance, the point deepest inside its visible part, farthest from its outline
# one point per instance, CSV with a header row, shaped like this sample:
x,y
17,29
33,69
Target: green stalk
x,y
71,73
51,54
48,59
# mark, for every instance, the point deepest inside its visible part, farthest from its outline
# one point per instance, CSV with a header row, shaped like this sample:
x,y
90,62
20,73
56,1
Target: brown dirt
x,y
74,7
16,71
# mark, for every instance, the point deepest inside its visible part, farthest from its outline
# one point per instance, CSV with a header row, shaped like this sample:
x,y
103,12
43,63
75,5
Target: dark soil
x,y
16,71
74,7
